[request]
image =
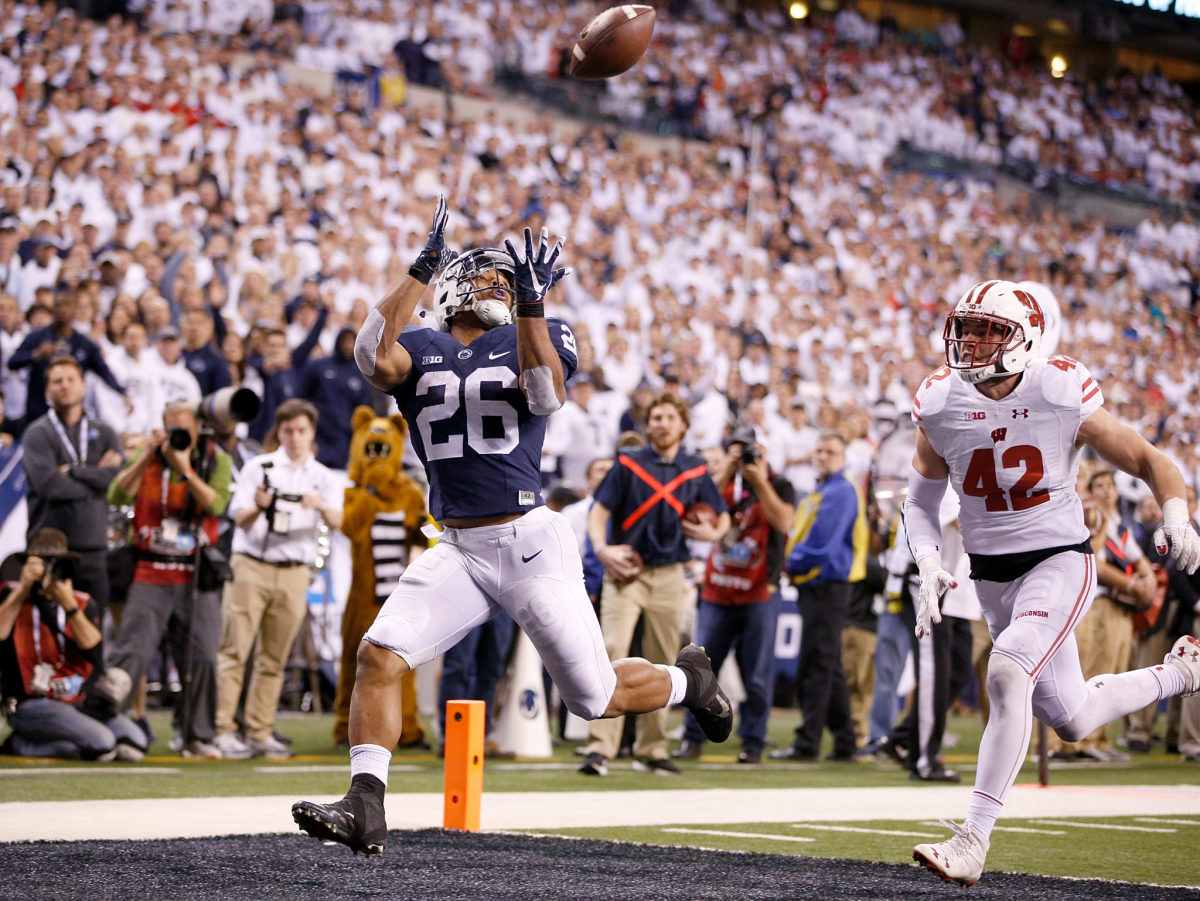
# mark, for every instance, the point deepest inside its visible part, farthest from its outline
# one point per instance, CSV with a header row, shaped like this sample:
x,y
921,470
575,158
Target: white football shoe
x,y
1186,655
959,858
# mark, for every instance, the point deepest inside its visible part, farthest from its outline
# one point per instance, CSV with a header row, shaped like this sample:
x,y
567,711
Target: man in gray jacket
x,y
69,461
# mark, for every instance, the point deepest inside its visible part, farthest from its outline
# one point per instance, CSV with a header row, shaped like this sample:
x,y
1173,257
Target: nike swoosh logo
x,y
497,356
525,559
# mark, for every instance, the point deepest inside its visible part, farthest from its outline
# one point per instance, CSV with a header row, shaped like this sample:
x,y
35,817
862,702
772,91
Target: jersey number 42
x,y
981,481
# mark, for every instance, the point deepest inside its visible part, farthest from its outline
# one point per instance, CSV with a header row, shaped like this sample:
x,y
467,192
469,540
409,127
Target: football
x,y
634,559
613,41
701,512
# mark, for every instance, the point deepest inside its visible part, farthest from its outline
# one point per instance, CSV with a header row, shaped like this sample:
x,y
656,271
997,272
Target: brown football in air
x,y
700,512
613,41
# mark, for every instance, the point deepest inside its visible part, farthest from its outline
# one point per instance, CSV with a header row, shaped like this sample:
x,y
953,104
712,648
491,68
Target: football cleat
x,y
1186,655
706,700
959,858
357,821
594,765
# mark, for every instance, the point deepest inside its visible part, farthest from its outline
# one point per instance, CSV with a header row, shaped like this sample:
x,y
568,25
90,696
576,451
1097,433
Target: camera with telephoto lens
x,y
227,407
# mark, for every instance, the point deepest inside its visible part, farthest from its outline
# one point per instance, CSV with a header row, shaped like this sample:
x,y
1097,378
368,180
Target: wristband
x,y
1175,511
534,310
420,273
72,611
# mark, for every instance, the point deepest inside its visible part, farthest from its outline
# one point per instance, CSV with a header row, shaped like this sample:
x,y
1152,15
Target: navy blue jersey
x,y
470,424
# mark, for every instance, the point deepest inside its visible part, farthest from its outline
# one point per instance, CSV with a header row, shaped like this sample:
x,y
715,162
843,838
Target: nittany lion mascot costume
x,y
383,514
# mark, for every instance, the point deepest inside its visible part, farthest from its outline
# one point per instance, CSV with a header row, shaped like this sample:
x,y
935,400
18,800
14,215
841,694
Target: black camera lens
x,y
179,438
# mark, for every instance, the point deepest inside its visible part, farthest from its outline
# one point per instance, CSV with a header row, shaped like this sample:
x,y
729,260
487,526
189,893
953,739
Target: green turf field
x,y
1139,850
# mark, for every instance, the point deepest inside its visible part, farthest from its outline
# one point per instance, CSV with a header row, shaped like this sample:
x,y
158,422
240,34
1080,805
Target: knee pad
x,y
1006,678
392,633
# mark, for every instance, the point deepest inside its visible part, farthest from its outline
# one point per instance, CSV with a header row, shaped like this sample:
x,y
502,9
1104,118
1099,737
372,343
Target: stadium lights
x,y
798,11
1058,66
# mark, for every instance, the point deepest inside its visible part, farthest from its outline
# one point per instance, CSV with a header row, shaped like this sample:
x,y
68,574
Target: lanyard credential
x,y
77,457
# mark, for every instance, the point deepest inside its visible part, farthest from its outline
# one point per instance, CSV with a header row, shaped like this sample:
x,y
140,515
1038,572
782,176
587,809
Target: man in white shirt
x,y
14,384
175,380
41,271
132,364
276,507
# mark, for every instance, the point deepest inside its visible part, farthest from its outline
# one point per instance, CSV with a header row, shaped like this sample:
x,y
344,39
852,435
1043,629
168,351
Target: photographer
x,y
178,485
737,598
48,651
279,499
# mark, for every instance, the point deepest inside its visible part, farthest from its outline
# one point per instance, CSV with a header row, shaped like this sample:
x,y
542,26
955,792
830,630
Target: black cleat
x,y
704,697
357,821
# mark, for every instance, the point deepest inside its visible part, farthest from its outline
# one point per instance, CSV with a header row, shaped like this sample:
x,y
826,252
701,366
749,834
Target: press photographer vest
x,y
159,497
739,567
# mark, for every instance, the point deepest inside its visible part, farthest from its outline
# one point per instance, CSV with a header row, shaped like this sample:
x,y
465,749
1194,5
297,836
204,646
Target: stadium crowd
x,y
203,217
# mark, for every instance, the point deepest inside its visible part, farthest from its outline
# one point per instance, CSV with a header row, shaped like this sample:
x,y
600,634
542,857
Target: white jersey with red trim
x,y
1013,461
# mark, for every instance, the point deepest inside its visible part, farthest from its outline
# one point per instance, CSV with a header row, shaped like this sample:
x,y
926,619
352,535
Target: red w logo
x,y
998,435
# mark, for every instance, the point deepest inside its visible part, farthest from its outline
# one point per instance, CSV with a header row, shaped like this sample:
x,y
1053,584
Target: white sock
x,y
1110,697
373,760
678,683
1005,740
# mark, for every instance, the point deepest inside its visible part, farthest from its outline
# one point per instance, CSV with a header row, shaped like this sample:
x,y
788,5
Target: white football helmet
x,y
456,289
995,330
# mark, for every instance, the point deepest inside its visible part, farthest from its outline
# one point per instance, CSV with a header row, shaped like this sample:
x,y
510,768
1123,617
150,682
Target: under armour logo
x,y
1020,413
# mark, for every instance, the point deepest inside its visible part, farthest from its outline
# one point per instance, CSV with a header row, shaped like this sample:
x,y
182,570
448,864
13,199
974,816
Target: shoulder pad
x,y
1066,382
931,396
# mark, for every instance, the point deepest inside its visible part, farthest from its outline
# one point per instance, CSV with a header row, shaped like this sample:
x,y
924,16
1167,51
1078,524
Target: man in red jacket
x,y
737,608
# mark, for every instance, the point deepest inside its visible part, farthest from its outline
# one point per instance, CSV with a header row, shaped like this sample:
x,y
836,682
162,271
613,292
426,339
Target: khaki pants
x,y
1150,650
659,595
260,601
858,660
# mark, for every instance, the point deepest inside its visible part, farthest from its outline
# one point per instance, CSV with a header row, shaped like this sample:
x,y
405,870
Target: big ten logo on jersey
x,y
974,415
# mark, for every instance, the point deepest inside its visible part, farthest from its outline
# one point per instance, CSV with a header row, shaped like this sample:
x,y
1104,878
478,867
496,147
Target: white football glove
x,y
934,583
1175,539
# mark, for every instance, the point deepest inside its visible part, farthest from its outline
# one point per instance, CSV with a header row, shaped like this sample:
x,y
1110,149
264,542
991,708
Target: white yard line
x,y
1111,826
1167,822
192,817
827,828
763,835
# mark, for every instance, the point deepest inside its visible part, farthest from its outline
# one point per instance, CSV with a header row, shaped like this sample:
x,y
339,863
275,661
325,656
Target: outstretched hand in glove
x,y
436,256
535,272
935,581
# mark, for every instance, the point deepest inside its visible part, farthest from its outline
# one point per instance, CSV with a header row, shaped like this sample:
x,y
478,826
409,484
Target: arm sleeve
x,y
921,515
